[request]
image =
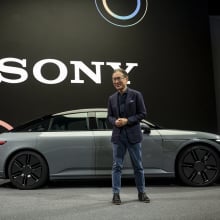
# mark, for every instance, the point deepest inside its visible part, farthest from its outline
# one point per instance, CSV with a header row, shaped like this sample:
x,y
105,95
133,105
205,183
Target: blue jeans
x,y
119,151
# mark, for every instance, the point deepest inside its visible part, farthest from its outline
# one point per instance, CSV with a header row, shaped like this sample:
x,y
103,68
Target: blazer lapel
x,y
116,104
129,97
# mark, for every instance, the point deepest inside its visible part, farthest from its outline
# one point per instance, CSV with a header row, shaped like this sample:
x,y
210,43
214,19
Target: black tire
x,y
198,166
28,170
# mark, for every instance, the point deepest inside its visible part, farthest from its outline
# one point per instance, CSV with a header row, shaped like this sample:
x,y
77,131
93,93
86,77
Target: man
x,y
126,109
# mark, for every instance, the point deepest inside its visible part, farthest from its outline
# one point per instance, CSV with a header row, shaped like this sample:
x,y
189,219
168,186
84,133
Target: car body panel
x,y
67,153
88,153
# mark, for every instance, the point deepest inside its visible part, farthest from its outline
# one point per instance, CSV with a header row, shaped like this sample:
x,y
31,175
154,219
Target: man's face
x,y
119,81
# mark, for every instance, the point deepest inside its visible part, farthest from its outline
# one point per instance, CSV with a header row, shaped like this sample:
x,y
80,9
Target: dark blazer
x,y
135,111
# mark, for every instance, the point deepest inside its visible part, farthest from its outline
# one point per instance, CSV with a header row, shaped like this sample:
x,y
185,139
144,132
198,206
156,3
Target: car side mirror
x,y
145,128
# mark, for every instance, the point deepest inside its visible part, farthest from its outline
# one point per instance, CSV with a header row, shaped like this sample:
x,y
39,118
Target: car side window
x,y
70,122
102,121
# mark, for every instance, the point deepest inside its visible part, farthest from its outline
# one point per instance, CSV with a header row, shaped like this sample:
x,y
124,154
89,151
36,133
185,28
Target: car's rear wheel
x,y
28,170
198,166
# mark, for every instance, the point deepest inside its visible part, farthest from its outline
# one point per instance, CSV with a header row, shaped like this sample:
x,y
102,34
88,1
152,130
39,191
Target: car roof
x,y
81,110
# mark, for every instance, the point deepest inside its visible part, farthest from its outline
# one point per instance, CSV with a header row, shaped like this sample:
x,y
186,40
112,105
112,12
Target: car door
x,y
152,151
152,154
102,135
69,146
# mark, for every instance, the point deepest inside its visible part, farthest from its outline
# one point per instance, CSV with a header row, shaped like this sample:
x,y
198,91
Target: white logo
x,y
18,74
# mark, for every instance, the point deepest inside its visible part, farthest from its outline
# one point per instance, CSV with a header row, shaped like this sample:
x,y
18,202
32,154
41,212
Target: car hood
x,y
181,134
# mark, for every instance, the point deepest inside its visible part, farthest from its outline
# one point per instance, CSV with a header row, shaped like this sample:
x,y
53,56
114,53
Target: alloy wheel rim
x,y
199,166
26,170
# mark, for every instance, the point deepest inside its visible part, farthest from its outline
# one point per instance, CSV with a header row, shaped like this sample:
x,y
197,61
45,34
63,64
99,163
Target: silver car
x,y
76,144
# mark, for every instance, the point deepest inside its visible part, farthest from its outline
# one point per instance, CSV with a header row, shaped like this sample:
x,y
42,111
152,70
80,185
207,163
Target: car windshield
x,y
151,125
40,124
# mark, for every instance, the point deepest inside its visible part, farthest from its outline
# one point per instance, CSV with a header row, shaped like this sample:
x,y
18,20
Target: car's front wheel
x,y
198,166
28,170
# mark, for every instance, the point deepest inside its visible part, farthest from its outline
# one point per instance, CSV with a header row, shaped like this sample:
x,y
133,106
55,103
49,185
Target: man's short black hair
x,y
125,74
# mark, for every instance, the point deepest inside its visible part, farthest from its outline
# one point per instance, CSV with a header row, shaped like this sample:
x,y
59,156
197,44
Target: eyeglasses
x,y
117,79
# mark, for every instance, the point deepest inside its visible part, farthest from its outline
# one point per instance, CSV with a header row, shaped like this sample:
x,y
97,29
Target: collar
x,y
125,92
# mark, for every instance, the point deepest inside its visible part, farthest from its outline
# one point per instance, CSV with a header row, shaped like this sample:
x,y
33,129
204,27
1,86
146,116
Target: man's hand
x,y
120,122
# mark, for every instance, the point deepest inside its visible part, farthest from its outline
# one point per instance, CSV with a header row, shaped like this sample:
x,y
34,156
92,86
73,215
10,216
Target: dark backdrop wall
x,y
170,46
215,36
